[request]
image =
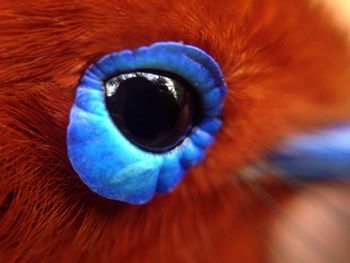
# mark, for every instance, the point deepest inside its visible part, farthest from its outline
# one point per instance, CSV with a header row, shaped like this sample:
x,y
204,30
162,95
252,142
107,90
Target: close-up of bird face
x,y
174,131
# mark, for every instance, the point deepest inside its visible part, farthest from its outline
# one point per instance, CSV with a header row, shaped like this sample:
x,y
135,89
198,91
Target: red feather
x,y
286,67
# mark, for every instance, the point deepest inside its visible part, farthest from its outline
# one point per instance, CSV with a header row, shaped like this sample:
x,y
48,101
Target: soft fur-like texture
x,y
286,67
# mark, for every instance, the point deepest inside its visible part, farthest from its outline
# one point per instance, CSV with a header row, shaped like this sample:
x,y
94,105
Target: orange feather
x,y
286,66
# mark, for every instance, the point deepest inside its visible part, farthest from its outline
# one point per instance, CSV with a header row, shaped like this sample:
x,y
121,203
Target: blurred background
x,y
314,225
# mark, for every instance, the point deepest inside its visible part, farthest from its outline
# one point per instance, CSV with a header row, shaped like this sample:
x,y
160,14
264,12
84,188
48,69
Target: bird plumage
x,y
286,68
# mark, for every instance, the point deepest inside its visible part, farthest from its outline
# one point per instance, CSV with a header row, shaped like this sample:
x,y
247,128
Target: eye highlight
x,y
141,118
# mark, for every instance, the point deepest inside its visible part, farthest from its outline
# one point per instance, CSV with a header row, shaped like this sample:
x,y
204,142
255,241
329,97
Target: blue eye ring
x,y
107,162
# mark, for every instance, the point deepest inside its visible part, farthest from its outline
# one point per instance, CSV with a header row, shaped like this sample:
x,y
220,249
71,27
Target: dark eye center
x,y
154,110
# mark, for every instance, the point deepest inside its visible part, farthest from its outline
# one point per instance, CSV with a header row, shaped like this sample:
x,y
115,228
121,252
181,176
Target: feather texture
x,y
286,67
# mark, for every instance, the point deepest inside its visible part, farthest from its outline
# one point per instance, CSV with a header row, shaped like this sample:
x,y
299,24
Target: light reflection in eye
x,y
113,83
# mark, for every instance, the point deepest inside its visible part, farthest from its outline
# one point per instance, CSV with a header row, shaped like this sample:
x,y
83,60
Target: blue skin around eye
x,y
319,155
107,162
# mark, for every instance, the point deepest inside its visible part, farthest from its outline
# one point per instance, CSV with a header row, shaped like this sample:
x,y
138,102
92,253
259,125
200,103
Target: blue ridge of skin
x,y
322,154
107,162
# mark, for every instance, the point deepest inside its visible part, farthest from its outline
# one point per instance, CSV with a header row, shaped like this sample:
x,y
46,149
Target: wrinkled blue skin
x,y
322,154
105,160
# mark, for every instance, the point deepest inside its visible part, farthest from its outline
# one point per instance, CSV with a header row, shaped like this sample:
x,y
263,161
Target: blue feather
x,y
322,154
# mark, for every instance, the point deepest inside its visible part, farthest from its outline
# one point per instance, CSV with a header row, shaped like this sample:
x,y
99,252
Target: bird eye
x,y
142,117
154,110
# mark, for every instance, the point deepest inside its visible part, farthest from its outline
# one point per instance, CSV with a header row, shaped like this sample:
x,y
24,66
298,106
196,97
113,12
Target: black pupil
x,y
154,110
